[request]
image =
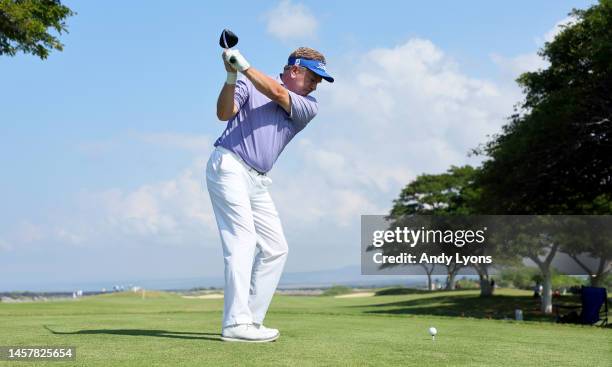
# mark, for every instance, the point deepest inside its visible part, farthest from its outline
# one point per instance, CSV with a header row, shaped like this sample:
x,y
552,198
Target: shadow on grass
x,y
467,305
400,291
141,332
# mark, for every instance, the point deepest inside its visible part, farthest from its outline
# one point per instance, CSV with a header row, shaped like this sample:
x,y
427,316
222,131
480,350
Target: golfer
x,y
263,115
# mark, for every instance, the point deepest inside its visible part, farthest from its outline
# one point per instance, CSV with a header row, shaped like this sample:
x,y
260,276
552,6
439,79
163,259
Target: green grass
x,y
168,330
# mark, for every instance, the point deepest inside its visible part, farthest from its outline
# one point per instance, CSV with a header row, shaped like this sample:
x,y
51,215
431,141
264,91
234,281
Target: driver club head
x,y
228,39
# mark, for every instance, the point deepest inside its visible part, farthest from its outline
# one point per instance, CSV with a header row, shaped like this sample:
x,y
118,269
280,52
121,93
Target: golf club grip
x,y
232,59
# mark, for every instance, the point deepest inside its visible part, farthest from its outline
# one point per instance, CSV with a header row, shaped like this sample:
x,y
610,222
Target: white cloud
x,y
289,21
409,109
174,212
171,212
392,114
67,236
421,102
27,232
555,30
326,187
522,63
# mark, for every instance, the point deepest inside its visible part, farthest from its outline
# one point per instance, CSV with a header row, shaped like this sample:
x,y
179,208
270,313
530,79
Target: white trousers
x,y
254,246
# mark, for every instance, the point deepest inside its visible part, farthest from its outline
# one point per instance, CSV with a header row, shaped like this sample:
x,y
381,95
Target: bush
x,y
337,290
606,282
524,277
561,280
565,281
521,277
465,283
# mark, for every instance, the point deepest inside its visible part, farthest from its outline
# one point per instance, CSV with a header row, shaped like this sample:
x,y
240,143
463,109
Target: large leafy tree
x,y
25,26
438,194
554,157
445,194
590,239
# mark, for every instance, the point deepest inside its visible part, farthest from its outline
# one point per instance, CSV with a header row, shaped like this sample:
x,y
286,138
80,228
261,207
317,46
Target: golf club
x,y
228,39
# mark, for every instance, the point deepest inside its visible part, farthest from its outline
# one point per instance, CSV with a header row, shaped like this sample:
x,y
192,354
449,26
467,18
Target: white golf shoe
x,y
267,329
248,333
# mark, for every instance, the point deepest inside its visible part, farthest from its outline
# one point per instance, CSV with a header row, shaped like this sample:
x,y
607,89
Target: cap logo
x,y
316,66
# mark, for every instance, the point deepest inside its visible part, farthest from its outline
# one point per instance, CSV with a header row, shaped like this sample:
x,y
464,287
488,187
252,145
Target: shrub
x,y
337,290
521,277
465,283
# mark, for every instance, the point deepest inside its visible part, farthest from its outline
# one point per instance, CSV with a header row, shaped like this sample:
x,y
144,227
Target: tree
x,y
440,194
393,248
24,26
554,155
534,237
591,235
449,193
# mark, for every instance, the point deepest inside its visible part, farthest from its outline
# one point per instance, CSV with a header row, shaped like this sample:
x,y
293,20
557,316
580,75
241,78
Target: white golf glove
x,y
240,63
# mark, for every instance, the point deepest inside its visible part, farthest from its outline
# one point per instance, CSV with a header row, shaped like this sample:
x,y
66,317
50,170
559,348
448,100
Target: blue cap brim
x,y
317,67
320,73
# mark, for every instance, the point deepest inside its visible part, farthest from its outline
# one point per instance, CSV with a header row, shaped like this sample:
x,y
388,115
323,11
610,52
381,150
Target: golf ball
x,y
433,331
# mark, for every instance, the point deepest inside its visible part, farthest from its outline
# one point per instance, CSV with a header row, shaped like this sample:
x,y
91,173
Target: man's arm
x,y
269,88
226,108
263,83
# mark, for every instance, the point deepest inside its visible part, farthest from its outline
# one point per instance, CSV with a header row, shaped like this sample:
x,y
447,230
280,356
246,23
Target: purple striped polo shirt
x,y
262,128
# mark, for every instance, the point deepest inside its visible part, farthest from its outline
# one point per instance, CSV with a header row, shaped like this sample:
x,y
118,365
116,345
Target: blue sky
x,y
103,145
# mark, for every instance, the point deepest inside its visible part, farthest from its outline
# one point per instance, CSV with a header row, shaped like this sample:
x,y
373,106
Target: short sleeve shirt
x,y
262,128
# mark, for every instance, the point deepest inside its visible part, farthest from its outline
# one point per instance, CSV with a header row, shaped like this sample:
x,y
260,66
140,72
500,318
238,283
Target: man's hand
x,y
226,108
232,73
240,63
228,67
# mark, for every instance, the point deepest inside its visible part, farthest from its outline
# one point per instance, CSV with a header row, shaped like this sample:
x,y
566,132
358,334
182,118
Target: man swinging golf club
x,y
263,115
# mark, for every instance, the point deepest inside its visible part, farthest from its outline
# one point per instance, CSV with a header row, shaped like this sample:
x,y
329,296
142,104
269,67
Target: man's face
x,y
302,81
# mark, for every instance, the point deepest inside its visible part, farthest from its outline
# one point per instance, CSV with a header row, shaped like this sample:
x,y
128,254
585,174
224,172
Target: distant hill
x,y
349,275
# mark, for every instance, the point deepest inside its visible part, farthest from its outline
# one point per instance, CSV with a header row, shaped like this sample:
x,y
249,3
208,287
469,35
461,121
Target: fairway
x,y
166,329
